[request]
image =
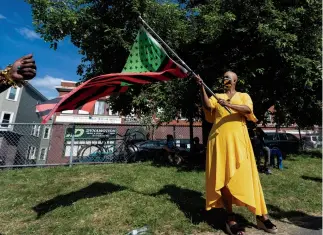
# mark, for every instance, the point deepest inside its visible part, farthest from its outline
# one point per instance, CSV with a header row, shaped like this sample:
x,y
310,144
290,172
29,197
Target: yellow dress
x,y
230,159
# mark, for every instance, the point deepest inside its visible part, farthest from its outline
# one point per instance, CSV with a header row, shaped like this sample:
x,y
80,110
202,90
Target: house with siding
x,y
22,139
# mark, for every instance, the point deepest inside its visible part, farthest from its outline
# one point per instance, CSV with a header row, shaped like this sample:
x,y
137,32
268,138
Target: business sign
x,y
131,120
87,119
91,133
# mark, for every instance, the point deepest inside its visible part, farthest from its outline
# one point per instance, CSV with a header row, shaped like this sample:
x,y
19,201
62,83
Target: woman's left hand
x,y
223,102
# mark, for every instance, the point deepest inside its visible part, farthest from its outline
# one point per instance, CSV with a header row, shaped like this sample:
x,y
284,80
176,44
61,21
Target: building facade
x,y
89,125
22,139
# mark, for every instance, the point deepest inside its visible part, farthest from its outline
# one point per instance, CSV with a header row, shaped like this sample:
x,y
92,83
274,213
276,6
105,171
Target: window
x,y
180,116
282,137
99,107
67,111
46,133
42,154
268,117
83,112
270,136
6,118
31,152
35,130
291,137
12,94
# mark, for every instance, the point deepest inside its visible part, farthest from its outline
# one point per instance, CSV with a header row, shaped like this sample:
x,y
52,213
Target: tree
x,y
273,46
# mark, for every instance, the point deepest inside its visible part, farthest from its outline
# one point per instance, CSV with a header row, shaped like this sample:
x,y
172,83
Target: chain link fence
x,y
31,144
26,144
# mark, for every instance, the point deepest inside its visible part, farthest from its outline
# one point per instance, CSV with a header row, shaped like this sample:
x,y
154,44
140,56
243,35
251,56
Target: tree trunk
x,y
299,133
191,133
206,128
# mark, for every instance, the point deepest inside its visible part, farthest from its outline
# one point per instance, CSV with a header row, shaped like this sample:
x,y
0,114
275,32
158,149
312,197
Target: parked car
x,y
312,141
157,144
285,142
152,149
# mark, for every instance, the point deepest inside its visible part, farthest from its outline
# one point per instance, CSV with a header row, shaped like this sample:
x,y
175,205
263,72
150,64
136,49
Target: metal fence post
x,y
174,132
72,145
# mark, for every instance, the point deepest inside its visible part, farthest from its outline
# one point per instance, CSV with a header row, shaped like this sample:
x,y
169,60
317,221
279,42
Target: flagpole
x,y
183,63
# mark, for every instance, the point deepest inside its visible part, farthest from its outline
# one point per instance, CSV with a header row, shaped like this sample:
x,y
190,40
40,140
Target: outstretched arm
x,y
204,98
22,69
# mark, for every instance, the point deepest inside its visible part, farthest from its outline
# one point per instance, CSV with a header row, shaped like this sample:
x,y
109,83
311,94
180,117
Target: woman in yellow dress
x,y
231,171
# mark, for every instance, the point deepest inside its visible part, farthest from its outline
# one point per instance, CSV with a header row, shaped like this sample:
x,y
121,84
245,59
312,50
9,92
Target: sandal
x,y
233,229
266,225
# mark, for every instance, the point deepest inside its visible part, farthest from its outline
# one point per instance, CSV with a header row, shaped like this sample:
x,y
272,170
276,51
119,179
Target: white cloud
x,y
46,85
47,82
27,33
2,17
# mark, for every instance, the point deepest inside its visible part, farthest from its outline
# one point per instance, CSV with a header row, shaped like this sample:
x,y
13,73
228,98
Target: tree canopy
x,y
274,46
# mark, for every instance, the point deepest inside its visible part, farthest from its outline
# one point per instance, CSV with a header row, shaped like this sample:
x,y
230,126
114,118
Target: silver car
x,y
312,141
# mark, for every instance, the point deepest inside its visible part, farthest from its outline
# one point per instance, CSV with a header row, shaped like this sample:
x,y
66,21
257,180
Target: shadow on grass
x,y
315,179
94,190
182,167
316,153
192,204
297,218
189,162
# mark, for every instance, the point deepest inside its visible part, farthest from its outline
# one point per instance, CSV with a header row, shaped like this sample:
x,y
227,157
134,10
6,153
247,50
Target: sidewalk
x,y
305,226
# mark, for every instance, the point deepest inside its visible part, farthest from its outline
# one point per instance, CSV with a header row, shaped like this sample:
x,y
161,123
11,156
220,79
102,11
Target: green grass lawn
x,y
114,199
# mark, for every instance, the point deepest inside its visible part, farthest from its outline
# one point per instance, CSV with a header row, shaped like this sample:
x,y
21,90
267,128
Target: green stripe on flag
x,y
146,54
125,84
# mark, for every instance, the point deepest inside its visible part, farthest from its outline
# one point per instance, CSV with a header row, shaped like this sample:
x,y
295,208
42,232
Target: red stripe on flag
x,y
104,85
42,107
88,106
169,64
72,105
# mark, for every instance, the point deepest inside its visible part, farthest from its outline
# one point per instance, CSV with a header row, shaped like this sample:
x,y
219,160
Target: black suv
x,y
285,142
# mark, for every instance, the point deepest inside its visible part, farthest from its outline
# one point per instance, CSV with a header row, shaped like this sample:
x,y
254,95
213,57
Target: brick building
x,y
102,119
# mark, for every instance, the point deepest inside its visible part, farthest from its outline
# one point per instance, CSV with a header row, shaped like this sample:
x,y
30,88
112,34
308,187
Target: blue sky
x,y
17,38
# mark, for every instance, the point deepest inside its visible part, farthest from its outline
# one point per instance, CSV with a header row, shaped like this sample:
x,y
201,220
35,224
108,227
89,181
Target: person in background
x,y
171,151
260,147
197,152
197,147
257,147
16,75
170,144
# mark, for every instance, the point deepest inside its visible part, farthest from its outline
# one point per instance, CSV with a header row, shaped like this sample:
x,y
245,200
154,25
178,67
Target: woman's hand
x,y
23,69
198,80
223,102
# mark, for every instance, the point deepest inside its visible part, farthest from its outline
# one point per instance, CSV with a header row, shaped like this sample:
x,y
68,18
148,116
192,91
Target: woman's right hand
x,y
199,80
24,68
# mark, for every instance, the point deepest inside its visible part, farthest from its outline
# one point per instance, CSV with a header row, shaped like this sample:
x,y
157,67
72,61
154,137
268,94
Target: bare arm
x,y
204,98
243,109
22,69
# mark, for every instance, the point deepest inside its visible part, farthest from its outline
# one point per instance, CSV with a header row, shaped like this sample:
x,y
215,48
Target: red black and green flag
x,y
148,62
43,109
